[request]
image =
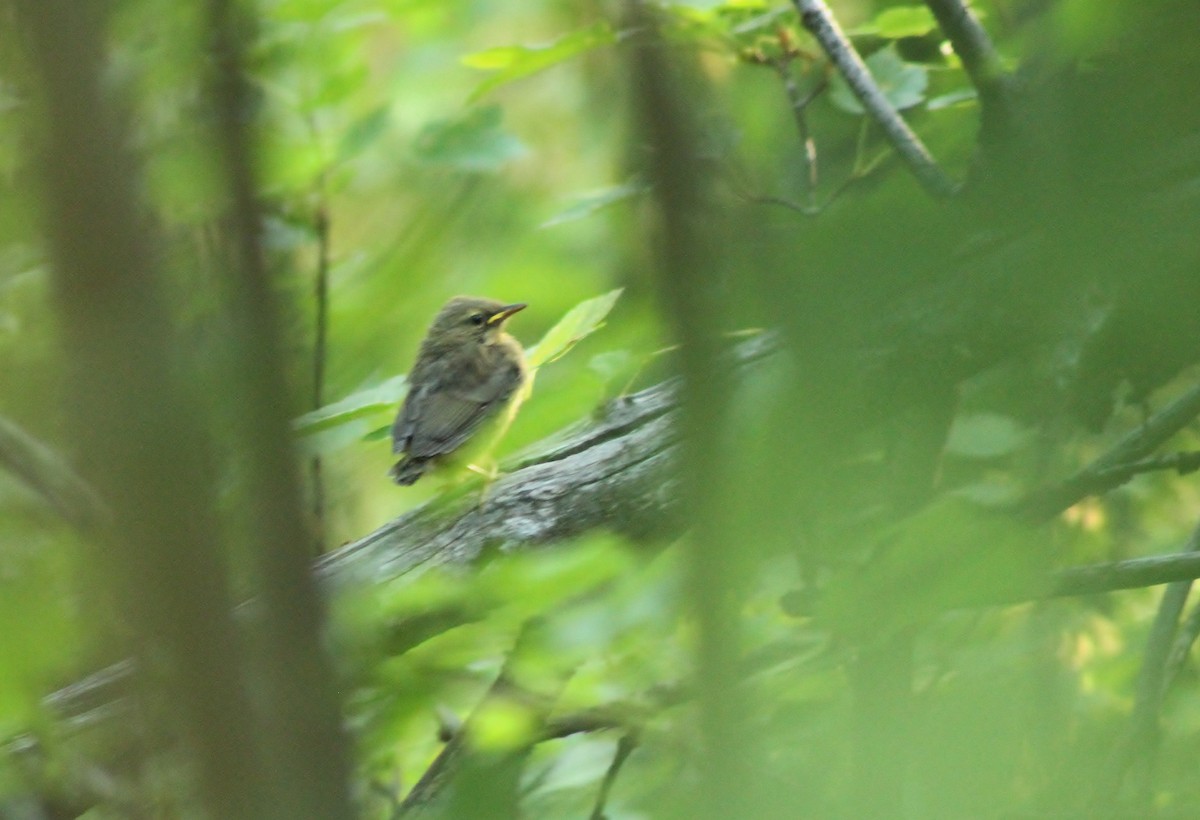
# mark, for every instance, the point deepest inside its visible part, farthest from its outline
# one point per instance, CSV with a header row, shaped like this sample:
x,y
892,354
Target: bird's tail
x,y
407,470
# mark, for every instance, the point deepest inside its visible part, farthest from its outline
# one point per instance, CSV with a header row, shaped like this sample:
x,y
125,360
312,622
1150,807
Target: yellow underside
x,y
476,455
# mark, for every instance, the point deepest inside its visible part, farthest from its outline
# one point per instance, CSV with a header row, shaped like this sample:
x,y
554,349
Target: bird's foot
x,y
490,472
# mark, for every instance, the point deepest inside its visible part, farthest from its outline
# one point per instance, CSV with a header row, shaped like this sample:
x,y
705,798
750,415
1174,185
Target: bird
x,y
468,372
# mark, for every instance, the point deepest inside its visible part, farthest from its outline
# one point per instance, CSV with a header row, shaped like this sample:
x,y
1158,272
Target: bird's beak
x,y
506,311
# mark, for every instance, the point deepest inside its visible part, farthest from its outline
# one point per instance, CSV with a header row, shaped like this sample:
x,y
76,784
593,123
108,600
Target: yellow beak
x,y
506,311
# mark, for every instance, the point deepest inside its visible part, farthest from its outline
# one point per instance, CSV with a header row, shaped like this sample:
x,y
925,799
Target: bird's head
x,y
469,319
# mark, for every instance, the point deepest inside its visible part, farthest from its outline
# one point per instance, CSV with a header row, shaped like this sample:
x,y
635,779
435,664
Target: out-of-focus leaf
x,y
379,433
598,201
903,84
383,397
41,636
995,494
952,98
611,364
8,100
579,322
951,554
502,724
331,439
516,62
985,435
767,21
474,142
342,22
287,235
309,11
900,21
364,132
582,763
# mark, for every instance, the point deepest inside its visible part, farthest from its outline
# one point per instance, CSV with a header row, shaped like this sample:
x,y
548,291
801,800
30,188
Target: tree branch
x,y
1108,470
320,354
980,60
816,17
798,103
1182,646
50,476
1133,573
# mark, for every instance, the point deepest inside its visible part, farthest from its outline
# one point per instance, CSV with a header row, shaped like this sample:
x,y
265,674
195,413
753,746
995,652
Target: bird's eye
x,y
477,318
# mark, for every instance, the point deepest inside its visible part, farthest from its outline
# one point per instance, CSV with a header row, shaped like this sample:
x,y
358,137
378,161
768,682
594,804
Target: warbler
x,y
468,371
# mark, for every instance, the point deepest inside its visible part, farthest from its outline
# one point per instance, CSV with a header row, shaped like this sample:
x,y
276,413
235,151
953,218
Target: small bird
x,y
468,371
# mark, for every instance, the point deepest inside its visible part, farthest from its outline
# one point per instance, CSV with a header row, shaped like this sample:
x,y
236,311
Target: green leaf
x,y
474,142
363,132
903,84
342,22
579,322
768,22
953,553
612,363
952,98
501,724
517,62
598,201
904,21
383,397
323,442
379,433
985,435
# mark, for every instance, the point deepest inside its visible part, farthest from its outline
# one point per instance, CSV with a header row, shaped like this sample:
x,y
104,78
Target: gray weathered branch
x,y
816,17
611,472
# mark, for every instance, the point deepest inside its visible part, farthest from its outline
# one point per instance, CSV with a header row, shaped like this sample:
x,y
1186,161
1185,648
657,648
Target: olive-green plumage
x,y
467,371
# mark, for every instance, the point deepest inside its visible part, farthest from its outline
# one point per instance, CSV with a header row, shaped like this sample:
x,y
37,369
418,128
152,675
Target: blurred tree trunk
x,y
140,432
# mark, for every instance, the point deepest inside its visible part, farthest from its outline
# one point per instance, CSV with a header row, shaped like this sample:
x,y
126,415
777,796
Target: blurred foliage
x,y
485,148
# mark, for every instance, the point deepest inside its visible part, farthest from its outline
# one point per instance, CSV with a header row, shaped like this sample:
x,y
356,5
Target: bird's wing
x,y
402,427
437,421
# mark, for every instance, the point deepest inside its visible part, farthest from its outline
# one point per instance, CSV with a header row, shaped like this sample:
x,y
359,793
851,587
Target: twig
x,y
980,60
798,103
625,747
808,147
1140,743
1181,462
320,357
1048,502
816,17
1133,573
590,720
631,716
783,202
501,770
48,474
1189,630
742,189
